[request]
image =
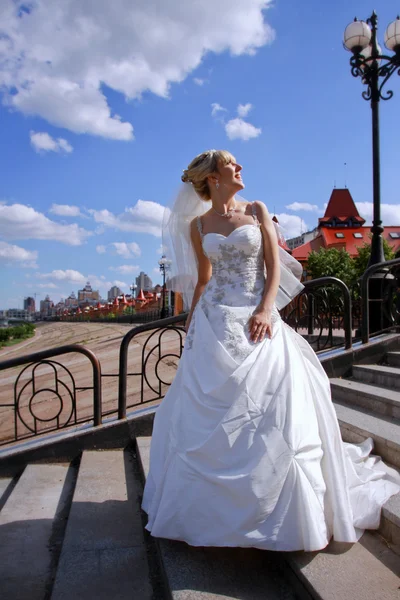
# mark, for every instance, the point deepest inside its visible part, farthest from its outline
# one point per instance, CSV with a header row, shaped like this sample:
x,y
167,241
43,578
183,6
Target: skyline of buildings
x,y
87,296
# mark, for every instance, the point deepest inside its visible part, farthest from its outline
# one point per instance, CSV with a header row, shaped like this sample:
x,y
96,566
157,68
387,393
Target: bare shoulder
x,y
261,209
193,222
194,225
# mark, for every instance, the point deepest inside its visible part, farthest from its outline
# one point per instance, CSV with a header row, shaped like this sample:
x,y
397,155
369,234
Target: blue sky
x,y
100,113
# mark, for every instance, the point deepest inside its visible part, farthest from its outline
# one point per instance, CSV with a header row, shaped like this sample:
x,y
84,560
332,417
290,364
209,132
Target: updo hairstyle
x,y
202,166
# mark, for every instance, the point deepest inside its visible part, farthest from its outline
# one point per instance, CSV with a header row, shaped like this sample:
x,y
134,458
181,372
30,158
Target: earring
x,y
217,185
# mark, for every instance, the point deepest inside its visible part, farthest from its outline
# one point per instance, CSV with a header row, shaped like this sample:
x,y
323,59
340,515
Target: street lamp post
x,y
374,68
132,288
164,263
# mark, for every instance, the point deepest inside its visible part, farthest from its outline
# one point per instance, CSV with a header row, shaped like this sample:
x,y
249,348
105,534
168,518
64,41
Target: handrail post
x,y
365,330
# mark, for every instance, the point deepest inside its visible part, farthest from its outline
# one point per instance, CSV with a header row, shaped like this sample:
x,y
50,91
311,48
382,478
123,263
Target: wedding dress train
x,y
246,447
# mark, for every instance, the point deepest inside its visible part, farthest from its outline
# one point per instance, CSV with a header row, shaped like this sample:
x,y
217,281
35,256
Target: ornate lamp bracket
x,y
373,67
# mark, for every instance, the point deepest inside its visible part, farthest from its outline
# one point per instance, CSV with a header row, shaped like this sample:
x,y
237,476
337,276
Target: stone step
x,y
6,484
193,573
364,571
367,570
388,377
103,554
375,399
393,359
358,424
29,525
390,523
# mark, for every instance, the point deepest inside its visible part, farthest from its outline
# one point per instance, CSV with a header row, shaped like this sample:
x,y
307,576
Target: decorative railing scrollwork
x,y
152,358
41,408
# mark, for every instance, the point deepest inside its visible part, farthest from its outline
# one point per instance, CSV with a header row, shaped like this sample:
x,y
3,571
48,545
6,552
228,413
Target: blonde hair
x,y
202,166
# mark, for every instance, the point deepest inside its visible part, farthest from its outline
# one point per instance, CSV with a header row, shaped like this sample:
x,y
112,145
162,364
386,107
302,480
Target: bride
x,y
246,447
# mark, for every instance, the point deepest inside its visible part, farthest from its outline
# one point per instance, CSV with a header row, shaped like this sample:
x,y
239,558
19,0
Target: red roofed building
x,y
140,296
343,227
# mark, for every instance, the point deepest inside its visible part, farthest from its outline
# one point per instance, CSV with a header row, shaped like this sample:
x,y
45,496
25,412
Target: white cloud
x,y
216,109
239,129
57,55
68,275
43,142
120,284
101,249
144,217
291,225
125,269
199,82
76,278
390,213
65,210
244,109
11,255
44,286
127,249
21,222
302,206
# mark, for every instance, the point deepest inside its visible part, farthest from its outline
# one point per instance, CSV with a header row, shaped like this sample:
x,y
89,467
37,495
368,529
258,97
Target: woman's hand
x,y
260,325
187,325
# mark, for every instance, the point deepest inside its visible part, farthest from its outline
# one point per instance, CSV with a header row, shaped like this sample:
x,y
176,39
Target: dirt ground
x,y
35,390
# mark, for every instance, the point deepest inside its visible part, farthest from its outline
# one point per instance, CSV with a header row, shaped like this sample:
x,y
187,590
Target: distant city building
x,y
71,301
46,306
302,239
113,292
143,282
18,313
29,304
88,295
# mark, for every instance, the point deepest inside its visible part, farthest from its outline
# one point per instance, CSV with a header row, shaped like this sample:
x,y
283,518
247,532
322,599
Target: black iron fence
x,y
380,299
324,313
28,416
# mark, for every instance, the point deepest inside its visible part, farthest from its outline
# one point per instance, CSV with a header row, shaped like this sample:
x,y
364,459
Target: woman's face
x,y
229,176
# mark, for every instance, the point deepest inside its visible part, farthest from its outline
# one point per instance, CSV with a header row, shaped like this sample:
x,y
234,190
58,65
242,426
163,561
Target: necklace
x,y
227,214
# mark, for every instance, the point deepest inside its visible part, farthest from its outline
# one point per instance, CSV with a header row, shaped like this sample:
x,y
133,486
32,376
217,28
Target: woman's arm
x,y
204,268
260,323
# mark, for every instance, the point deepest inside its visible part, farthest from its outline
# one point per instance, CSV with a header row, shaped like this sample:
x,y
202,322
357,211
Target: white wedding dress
x,y
246,448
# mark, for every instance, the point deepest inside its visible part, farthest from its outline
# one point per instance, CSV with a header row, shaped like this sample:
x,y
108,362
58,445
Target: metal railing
x,y
27,389
322,313
323,306
385,301
160,327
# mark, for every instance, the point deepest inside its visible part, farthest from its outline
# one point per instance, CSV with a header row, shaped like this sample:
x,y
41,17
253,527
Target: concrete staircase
x,y
73,530
368,405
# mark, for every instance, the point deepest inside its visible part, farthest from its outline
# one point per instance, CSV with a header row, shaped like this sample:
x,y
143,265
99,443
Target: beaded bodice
x,y
237,263
235,288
